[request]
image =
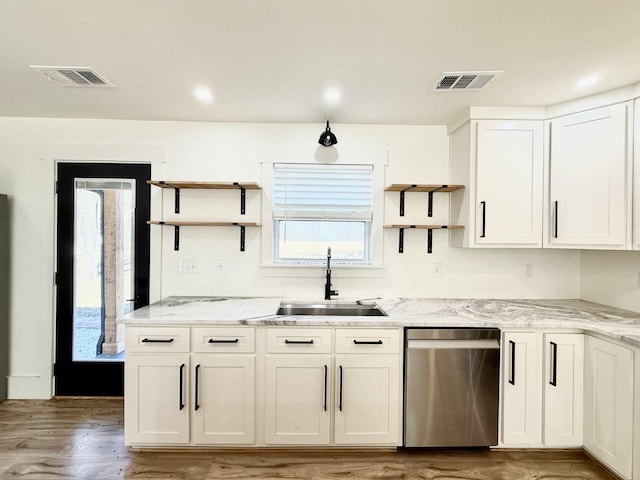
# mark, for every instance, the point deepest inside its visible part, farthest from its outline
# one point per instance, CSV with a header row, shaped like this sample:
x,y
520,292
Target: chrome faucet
x,y
328,293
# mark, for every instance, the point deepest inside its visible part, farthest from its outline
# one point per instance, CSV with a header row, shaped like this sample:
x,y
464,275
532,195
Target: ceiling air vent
x,y
458,81
73,76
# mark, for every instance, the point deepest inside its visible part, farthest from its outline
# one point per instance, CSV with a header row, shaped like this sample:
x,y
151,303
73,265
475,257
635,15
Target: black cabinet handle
x,y
484,217
367,342
157,340
555,219
324,402
181,403
213,340
197,405
512,373
554,363
340,389
298,342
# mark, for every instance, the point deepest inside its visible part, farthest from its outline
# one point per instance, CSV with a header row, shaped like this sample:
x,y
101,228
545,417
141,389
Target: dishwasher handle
x,y
475,344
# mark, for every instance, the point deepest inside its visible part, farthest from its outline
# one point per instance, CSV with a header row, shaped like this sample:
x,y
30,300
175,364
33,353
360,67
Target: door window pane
x,y
103,266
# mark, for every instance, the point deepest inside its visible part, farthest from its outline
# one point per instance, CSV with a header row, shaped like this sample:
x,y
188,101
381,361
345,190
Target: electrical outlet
x,y
187,266
220,266
437,269
528,270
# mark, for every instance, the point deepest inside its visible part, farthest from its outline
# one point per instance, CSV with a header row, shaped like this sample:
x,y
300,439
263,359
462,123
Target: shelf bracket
x,y
176,195
430,207
242,235
402,199
401,238
243,197
429,241
176,238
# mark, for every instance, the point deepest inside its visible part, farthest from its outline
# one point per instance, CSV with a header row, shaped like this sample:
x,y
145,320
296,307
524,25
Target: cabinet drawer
x,y
367,340
299,340
157,339
223,339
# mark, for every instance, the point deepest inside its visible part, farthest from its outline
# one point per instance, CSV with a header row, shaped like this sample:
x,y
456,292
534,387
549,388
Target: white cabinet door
x,y
608,395
563,389
367,403
589,198
297,399
521,390
156,399
223,399
636,178
509,168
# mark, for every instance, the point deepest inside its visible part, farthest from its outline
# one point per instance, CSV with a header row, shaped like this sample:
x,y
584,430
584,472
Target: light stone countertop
x,y
611,322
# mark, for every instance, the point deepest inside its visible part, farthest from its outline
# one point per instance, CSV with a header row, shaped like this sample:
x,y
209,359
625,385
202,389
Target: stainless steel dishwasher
x,y
451,387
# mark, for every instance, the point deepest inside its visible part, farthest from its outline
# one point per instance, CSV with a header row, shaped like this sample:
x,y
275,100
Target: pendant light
x,y
327,138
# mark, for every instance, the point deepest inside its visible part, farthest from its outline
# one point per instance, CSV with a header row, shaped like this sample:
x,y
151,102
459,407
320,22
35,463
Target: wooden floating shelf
x,y
179,185
429,228
177,224
408,187
205,185
420,187
426,227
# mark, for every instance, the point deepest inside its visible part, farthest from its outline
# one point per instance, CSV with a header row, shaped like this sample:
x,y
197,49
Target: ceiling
x,y
272,60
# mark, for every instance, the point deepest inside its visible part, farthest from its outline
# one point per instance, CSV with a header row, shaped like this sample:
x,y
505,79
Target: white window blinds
x,y
322,192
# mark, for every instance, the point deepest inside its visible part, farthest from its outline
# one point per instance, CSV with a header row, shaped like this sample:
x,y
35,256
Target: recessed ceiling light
x,y
587,81
332,96
203,95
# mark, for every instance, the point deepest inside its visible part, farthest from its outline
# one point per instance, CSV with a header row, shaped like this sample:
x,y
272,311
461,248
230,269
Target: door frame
x,y
93,378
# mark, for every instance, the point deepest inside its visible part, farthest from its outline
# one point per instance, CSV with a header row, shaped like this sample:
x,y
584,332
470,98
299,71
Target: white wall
x,y
611,278
231,152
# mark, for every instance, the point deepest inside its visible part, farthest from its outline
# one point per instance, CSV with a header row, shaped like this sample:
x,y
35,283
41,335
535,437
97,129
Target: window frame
x,y
312,173
270,154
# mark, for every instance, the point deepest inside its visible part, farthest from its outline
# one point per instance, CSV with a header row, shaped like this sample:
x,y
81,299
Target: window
x,y
321,206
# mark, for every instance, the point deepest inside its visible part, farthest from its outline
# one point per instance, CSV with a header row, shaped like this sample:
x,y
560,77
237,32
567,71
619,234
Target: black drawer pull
x,y
340,389
512,373
554,364
555,219
158,340
484,219
324,401
181,387
213,340
298,342
367,342
197,405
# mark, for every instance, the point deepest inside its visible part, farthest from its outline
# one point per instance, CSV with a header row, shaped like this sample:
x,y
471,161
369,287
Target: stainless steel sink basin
x,y
337,309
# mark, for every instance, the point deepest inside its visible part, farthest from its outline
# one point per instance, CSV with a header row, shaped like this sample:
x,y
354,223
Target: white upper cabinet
x,y
589,179
501,162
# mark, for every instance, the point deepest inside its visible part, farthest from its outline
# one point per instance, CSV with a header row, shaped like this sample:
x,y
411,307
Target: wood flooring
x,y
67,438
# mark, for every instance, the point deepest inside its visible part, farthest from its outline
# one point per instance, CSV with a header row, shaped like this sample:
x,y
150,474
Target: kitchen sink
x,y
334,309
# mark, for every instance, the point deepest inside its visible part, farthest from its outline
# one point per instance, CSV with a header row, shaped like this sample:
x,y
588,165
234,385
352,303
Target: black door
x,y
102,271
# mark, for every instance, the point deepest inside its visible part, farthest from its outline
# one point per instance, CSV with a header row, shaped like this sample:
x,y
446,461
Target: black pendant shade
x,y
327,138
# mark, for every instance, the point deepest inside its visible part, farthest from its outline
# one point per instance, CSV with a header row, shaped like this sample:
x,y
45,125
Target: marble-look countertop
x,y
612,322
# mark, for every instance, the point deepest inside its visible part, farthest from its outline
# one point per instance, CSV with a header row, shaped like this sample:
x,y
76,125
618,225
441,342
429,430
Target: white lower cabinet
x,y
363,406
563,389
297,408
521,390
608,404
156,399
542,389
262,386
368,406
223,399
